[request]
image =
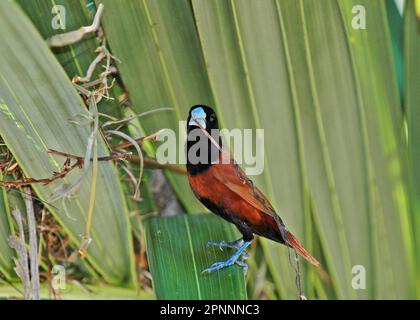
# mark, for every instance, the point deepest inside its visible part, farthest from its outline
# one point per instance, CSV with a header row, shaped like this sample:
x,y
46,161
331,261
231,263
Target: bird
x,y
220,184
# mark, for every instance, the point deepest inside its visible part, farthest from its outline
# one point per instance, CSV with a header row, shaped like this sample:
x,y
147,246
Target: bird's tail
x,y
295,244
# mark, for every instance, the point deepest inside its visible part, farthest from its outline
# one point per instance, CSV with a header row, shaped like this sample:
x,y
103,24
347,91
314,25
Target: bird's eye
x,y
212,117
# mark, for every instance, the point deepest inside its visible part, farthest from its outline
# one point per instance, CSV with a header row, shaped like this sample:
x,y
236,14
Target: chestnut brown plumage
x,y
224,188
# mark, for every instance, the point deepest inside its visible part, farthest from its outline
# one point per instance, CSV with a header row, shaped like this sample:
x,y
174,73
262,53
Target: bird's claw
x,y
217,244
217,266
234,245
242,264
222,264
234,259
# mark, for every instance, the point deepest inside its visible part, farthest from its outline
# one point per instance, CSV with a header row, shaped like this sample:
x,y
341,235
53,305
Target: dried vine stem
x,y
154,164
114,121
79,163
117,156
137,195
45,181
68,38
125,145
65,170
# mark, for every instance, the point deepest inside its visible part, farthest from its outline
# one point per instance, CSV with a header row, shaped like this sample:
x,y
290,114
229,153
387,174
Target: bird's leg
x,y
242,264
232,260
234,245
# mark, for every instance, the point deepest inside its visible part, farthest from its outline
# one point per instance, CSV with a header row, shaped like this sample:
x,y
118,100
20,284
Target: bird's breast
x,y
209,185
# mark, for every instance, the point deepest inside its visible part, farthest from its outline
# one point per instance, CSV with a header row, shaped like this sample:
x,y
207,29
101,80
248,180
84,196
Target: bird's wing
x,y
235,179
238,182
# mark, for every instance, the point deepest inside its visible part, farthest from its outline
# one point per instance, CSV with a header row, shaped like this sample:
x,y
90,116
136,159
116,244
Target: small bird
x,y
224,188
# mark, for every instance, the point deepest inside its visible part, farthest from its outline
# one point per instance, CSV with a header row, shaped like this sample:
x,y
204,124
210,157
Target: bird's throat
x,y
201,153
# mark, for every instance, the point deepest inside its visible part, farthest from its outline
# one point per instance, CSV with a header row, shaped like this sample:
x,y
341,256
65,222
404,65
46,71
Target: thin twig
x,y
129,118
125,145
68,38
116,156
130,174
154,164
33,197
45,181
66,191
101,55
137,195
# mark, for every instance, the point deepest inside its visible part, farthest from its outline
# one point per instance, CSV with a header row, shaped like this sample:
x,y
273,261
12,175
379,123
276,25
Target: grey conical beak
x,y
198,115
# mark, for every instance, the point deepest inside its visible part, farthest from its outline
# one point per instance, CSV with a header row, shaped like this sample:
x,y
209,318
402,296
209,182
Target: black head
x,y
204,115
201,117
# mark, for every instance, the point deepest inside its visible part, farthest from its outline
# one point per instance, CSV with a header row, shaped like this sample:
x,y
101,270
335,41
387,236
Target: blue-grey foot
x,y
234,245
242,264
232,260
